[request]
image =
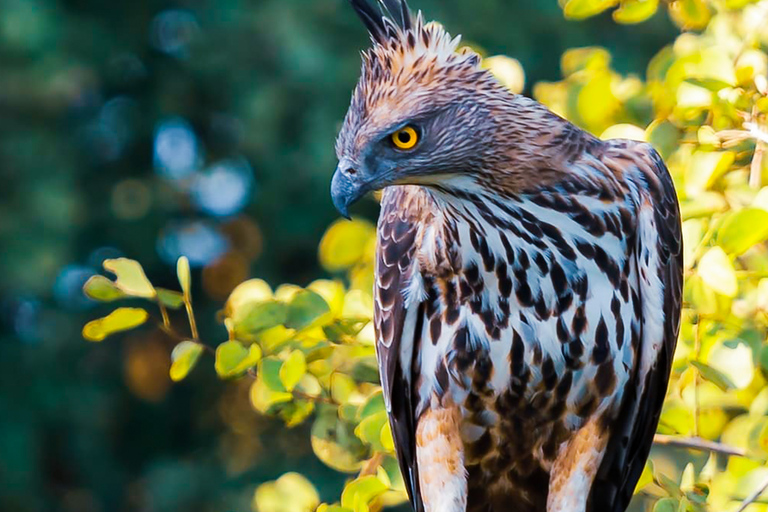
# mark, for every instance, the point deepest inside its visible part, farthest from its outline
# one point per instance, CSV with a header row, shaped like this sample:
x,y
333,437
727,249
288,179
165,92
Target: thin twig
x,y
697,443
372,464
753,497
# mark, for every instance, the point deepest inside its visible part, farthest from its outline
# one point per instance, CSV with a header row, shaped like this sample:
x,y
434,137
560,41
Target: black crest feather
x,y
383,18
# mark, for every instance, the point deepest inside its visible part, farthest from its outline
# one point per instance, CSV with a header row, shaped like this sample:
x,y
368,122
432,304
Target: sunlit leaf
x,y
102,289
184,357
580,9
130,277
713,375
293,369
306,307
291,492
635,11
121,319
182,272
690,14
170,298
360,493
344,243
508,71
234,359
336,445
742,230
717,271
253,317
369,430
734,360
248,292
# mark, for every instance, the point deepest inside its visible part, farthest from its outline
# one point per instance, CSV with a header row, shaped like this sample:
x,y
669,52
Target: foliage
x,y
309,353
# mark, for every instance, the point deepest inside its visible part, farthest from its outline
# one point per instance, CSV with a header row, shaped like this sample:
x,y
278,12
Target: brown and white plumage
x,y
528,281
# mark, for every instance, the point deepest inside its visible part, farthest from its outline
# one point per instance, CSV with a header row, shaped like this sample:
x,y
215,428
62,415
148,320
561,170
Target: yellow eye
x,y
405,138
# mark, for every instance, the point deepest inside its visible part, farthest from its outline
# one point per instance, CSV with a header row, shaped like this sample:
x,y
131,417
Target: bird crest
x,y
409,64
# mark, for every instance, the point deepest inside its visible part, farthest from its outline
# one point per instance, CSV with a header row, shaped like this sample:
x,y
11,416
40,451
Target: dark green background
x,y
86,88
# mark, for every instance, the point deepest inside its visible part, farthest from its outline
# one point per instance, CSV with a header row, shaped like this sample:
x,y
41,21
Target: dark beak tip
x,y
344,192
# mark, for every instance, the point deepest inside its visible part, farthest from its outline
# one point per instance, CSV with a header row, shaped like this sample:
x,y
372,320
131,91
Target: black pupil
x,y
404,137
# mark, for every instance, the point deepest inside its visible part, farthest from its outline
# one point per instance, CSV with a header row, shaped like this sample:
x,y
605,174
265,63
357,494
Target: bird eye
x,y
405,138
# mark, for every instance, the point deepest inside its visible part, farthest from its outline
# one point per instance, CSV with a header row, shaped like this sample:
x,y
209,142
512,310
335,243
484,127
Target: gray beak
x,y
346,188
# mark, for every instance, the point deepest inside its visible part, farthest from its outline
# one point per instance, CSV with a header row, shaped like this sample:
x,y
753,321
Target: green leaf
x,y
102,289
336,445
182,271
666,505
184,357
121,319
705,169
690,14
170,298
345,243
361,492
507,71
305,308
369,430
291,492
254,317
233,359
332,508
130,277
635,11
714,376
263,398
742,230
580,9
293,369
704,204
717,271
734,360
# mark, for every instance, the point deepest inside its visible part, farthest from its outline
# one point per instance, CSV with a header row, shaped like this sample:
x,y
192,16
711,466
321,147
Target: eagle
x,y
528,280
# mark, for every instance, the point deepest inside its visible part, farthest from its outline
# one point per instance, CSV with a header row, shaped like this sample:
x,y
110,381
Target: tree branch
x,y
697,443
753,497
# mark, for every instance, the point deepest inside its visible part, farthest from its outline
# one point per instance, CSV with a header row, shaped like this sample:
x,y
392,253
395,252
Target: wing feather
x,y
658,255
396,327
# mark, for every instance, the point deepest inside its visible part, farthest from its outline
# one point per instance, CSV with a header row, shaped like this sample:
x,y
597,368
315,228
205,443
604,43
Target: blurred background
x,y
153,129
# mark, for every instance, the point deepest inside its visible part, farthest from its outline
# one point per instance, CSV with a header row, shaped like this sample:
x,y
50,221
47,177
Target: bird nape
x,y
527,284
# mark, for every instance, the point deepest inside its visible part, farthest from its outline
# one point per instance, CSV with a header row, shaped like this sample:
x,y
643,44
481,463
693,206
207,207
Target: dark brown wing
x,y
633,430
395,342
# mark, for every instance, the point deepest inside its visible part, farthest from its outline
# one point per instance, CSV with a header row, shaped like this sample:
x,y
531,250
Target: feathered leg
x,y
575,468
440,456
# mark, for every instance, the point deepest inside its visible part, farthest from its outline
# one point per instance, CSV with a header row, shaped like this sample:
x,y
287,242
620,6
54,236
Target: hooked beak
x,y
347,187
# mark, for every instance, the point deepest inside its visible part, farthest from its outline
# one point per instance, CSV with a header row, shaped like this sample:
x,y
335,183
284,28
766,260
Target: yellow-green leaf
x,y
742,230
184,357
580,9
360,493
183,273
121,319
102,289
291,492
305,309
336,445
717,271
344,243
130,277
293,369
170,298
234,359
635,11
714,376
508,71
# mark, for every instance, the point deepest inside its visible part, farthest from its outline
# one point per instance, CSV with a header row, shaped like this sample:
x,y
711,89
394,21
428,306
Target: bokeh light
x,y
68,288
172,31
176,153
198,240
224,188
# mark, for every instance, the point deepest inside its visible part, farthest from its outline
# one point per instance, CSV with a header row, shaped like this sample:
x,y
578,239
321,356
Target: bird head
x,y
422,112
